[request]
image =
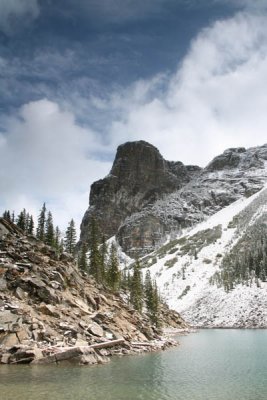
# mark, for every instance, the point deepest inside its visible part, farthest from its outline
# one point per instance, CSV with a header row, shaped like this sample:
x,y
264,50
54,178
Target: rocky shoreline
x,y
79,355
50,311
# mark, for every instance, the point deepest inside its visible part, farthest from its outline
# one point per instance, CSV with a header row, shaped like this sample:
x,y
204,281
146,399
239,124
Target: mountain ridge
x,y
150,208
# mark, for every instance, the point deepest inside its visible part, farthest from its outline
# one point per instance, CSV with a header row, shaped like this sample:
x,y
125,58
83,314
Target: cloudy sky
x,y
79,77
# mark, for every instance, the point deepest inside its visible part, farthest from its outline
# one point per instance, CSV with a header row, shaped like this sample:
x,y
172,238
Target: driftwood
x,y
79,354
109,343
142,344
101,345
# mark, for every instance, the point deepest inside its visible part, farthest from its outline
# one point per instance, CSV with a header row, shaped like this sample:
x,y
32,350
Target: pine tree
x,y
57,240
113,271
61,246
148,291
136,292
82,261
70,238
27,222
30,227
22,220
40,233
49,230
6,215
94,258
155,304
152,298
103,259
125,279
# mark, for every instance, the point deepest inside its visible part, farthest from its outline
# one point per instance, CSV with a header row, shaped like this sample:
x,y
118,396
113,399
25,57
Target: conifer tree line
x,y
45,230
247,261
102,263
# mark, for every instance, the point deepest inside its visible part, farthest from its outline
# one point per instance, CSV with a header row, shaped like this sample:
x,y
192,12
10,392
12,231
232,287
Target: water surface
x,y
208,365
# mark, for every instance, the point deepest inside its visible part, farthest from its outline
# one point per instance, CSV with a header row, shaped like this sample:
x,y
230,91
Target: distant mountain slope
x,y
146,198
215,273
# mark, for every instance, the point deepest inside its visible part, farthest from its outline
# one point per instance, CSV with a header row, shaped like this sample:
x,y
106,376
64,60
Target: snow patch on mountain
x,y
184,267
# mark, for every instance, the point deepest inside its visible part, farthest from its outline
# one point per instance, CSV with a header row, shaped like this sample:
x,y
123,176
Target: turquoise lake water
x,y
208,365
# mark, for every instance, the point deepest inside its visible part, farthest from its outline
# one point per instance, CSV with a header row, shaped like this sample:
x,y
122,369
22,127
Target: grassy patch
x,y
197,242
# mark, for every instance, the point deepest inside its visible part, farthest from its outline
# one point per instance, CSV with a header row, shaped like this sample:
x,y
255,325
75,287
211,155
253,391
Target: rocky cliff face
x,y
51,312
139,177
145,198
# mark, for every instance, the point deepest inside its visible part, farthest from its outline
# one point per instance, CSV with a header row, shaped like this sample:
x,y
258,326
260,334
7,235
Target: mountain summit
x,y
145,198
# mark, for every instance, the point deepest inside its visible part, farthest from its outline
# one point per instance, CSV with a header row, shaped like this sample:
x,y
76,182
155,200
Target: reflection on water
x,y
209,365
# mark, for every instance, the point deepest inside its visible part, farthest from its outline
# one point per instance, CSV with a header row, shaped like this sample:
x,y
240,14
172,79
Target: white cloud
x,y
15,14
217,98
46,156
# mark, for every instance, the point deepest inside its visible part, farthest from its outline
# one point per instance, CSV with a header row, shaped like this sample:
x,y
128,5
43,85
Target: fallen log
x,y
142,344
109,343
101,345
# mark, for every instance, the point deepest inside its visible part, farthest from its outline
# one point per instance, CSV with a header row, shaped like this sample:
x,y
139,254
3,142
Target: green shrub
x,y
170,263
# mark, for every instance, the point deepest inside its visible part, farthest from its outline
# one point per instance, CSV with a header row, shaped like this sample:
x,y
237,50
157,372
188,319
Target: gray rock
x,y
23,334
3,284
20,294
39,289
95,329
74,355
5,358
7,318
49,309
68,328
25,355
9,340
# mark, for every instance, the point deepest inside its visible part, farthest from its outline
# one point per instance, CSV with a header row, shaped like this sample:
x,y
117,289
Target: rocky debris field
x,y
50,312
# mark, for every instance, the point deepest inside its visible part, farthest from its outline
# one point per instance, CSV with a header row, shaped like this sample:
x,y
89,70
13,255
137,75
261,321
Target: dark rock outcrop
x,y
237,158
139,177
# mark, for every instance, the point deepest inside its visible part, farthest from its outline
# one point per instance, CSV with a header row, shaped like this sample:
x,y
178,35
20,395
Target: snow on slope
x,y
183,269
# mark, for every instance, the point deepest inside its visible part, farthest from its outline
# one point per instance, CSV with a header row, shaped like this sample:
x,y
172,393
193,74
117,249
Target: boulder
x,y
20,294
3,284
9,340
38,288
74,355
23,334
78,303
49,309
5,358
25,355
95,329
7,319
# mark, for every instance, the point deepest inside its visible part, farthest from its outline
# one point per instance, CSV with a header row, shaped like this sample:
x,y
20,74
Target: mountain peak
x,y
146,198
138,178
